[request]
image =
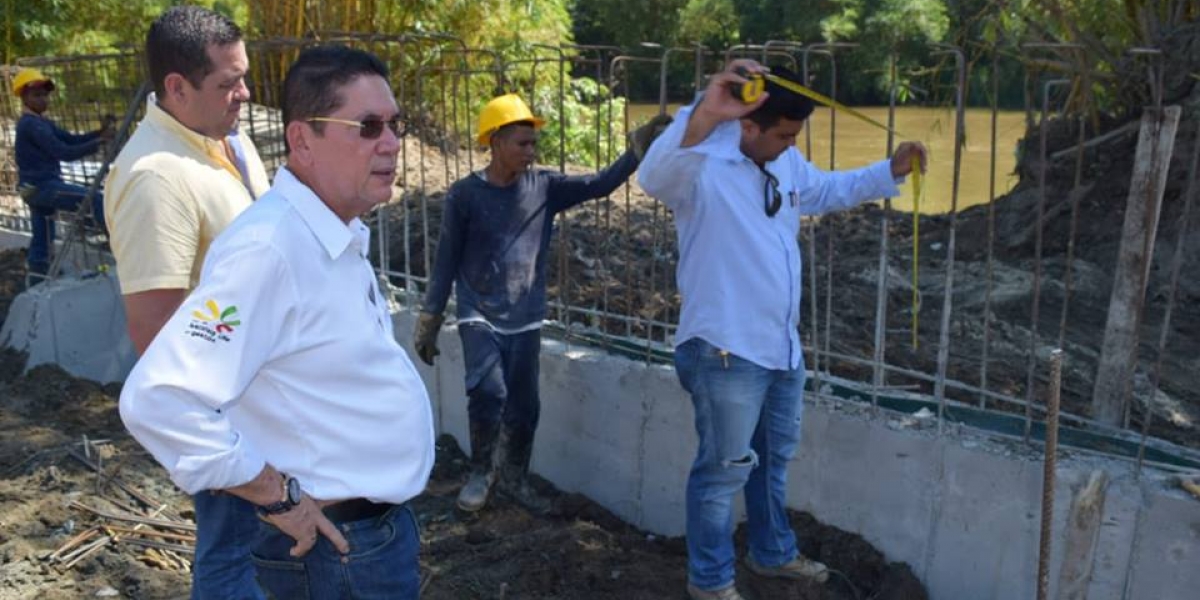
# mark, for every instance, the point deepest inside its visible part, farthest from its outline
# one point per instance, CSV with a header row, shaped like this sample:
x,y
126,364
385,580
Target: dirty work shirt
x,y
323,391
169,193
41,145
494,240
739,270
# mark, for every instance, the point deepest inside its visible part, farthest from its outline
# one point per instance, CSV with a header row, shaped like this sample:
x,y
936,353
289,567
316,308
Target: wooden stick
x,y
75,541
160,545
152,533
183,526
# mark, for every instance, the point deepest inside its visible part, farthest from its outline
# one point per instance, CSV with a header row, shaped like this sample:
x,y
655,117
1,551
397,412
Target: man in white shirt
x,y
179,181
732,176
330,431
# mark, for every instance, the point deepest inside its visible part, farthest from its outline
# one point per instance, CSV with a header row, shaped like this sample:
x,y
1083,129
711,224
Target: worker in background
x,y
495,233
732,176
41,147
180,180
279,380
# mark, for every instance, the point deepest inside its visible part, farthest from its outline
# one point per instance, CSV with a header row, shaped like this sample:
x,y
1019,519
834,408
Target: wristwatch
x,y
291,497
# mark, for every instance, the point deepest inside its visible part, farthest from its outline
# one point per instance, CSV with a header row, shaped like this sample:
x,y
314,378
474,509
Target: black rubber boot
x,y
516,449
474,495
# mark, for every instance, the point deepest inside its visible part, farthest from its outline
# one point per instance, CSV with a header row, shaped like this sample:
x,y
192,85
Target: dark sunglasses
x,y
772,199
369,129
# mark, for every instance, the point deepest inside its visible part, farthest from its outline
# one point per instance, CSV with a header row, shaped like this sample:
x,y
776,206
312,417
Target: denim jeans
x,y
51,197
748,420
226,527
382,563
502,376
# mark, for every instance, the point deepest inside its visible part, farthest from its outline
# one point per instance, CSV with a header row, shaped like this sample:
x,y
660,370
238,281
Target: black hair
x,y
312,87
782,102
508,128
178,42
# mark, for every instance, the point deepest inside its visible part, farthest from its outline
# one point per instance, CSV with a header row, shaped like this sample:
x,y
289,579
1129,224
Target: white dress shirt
x,y
739,270
284,354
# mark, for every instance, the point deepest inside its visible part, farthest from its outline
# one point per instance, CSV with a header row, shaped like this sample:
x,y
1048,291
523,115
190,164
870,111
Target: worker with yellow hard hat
x,y
41,147
496,228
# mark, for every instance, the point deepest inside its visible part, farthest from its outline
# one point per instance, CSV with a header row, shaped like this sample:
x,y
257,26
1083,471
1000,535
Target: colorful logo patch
x,y
214,323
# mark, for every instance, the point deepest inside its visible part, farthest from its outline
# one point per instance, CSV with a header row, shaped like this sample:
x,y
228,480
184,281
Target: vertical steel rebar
x,y
1045,545
943,354
991,234
1036,293
881,290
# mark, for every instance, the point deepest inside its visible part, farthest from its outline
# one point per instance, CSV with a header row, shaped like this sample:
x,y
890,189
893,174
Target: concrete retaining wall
x,y
963,509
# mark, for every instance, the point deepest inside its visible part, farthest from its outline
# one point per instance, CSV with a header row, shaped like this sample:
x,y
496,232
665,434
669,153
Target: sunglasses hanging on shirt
x,y
772,199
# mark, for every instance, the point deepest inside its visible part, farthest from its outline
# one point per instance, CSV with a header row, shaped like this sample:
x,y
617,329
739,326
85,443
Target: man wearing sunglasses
x,y
737,185
496,229
279,380
184,175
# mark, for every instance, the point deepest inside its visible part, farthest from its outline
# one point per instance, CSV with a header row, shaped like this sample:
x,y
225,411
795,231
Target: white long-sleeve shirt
x,y
284,354
739,270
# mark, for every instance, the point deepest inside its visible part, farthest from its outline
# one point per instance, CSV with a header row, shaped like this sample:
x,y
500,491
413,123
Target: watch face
x,y
293,491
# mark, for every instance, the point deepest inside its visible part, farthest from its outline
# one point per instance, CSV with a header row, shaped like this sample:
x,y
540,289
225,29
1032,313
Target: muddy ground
x,y
578,551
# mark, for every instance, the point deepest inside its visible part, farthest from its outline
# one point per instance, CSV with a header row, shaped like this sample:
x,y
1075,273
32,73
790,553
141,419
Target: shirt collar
x,y
214,149
334,235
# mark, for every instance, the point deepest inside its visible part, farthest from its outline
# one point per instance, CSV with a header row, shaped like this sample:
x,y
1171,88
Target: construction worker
x,y
496,228
300,401
41,147
179,181
731,174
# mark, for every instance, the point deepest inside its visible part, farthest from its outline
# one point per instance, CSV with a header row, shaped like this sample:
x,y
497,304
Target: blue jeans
x,y
382,563
51,197
502,376
226,527
748,420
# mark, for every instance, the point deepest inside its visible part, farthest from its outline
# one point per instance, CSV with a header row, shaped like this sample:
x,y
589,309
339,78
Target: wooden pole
x,y
1118,358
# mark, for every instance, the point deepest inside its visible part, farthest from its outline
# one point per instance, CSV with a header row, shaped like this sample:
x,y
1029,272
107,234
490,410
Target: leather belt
x,y
354,509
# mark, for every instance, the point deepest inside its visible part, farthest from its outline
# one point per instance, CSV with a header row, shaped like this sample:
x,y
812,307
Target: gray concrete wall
x,y
963,509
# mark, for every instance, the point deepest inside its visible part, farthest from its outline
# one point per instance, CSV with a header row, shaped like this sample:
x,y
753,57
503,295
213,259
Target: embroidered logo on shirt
x,y
214,325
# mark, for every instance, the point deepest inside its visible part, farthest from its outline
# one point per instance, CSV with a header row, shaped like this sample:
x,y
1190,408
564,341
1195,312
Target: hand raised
x,y
720,102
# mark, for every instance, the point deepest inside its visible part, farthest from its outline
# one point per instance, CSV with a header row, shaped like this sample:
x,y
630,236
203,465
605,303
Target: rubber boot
x,y
474,495
516,448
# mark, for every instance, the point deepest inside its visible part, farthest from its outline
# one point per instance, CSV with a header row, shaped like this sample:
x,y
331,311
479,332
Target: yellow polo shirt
x,y
169,193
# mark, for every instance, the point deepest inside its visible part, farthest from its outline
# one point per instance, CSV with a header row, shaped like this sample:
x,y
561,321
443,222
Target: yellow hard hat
x,y
501,111
27,77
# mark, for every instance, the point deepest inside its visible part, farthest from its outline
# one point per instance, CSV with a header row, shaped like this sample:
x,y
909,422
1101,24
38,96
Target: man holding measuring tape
x,y
729,170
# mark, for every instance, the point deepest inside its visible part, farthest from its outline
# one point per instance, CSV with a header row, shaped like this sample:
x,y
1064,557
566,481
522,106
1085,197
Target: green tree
x,y
708,22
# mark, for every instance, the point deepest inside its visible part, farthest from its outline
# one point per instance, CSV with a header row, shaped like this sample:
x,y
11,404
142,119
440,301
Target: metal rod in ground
x,y
1044,544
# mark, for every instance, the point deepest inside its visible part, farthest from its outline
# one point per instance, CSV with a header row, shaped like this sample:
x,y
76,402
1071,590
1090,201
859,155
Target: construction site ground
x,y
56,430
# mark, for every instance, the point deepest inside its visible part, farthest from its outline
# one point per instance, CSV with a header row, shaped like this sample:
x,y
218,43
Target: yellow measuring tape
x,y
753,89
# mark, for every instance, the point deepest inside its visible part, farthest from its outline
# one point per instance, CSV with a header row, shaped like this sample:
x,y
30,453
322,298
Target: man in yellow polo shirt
x,y
181,179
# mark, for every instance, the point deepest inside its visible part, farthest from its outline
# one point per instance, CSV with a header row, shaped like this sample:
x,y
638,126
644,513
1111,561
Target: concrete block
x,y
78,324
670,449
847,461
985,537
590,435
1167,549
